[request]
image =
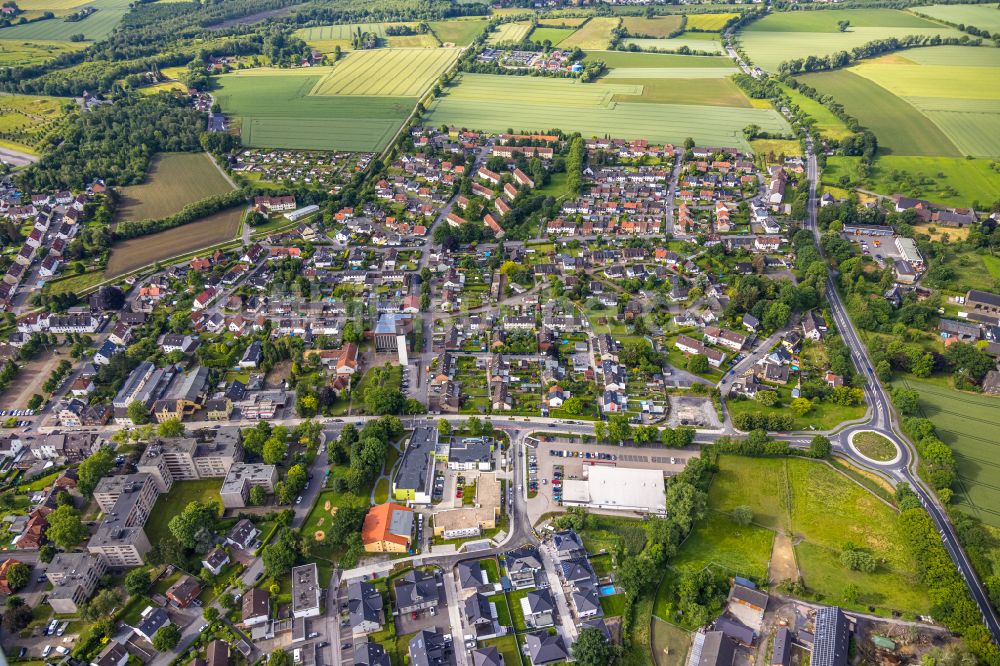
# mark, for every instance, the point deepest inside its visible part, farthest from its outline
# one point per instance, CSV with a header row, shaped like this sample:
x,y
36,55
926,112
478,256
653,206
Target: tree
x,y
766,398
18,575
851,593
279,658
138,413
170,428
98,465
573,406
103,604
296,478
193,526
65,529
619,429
592,648
906,401
280,556
801,406
820,447
600,431
17,616
444,428
47,553
858,560
137,582
697,364
166,638
257,496
211,614
843,25
275,450
743,515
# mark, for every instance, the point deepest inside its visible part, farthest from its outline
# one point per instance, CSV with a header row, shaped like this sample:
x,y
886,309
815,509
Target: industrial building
x,y
617,488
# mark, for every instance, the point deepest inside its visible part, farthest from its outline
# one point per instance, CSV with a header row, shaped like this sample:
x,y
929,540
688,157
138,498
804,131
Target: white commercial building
x,y
620,488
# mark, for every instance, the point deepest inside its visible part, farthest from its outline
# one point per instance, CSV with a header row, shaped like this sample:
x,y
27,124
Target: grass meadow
x,y
985,17
707,42
21,52
277,111
172,503
823,511
173,181
972,180
138,252
510,32
828,124
656,26
633,60
495,103
386,72
709,22
459,32
325,38
782,36
594,34
554,35
95,27
968,424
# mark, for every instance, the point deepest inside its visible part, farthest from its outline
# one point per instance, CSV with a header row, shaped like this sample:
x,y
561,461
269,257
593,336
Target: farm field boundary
x,y
173,181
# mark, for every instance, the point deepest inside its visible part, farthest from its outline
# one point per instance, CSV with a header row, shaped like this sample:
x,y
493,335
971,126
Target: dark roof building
x,y
545,648
712,648
833,632
781,653
428,648
470,574
487,656
370,653
417,590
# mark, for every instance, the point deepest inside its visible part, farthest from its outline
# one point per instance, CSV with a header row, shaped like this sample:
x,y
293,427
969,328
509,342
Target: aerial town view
x,y
500,332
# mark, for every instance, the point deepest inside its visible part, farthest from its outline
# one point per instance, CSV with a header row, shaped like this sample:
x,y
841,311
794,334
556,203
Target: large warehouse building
x,y
620,488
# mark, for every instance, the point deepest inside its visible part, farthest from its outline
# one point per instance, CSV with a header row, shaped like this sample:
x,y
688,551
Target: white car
x,y
46,651
298,500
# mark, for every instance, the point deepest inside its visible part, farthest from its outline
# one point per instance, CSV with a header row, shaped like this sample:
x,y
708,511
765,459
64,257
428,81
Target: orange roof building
x,y
387,529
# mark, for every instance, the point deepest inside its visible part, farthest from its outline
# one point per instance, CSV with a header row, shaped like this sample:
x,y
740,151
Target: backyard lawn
x,y
172,503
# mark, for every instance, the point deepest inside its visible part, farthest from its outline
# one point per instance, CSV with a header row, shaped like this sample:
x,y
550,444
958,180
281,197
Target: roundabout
x,y
874,447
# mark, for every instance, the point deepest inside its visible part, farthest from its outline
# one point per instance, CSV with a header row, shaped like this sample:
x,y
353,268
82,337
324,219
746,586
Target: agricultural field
x,y
657,26
554,35
823,511
708,22
707,42
562,21
27,119
276,111
510,32
20,52
95,27
459,32
494,103
984,17
901,129
57,7
386,73
680,85
966,422
174,180
325,38
631,59
785,36
145,250
594,34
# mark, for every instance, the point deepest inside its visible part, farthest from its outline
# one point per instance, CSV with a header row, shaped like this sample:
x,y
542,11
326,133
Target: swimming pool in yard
x,y
607,590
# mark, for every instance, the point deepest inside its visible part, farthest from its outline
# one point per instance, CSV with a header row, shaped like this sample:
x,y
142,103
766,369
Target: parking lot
x,y
881,248
550,463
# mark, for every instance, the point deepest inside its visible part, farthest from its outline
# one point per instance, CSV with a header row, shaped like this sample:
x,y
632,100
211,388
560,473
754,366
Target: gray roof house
x,y
579,573
470,575
522,564
428,648
568,545
487,656
364,603
151,623
587,602
544,648
417,590
538,608
370,653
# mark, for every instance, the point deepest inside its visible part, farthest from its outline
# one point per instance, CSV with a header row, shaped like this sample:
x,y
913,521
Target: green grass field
x,y
386,72
630,59
95,27
973,180
901,128
695,41
714,22
656,26
325,38
717,541
710,92
510,32
875,446
967,423
782,36
276,111
495,103
172,503
26,119
554,35
173,181
594,34
984,17
823,511
459,32
20,52
828,124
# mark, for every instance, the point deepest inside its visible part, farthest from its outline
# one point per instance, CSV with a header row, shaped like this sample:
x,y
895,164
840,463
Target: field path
x,y
222,171
16,158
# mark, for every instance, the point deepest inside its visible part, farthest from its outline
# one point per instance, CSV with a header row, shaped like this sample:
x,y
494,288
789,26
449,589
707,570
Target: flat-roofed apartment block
x,y
111,488
120,539
305,591
471,521
415,473
187,458
74,578
235,491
